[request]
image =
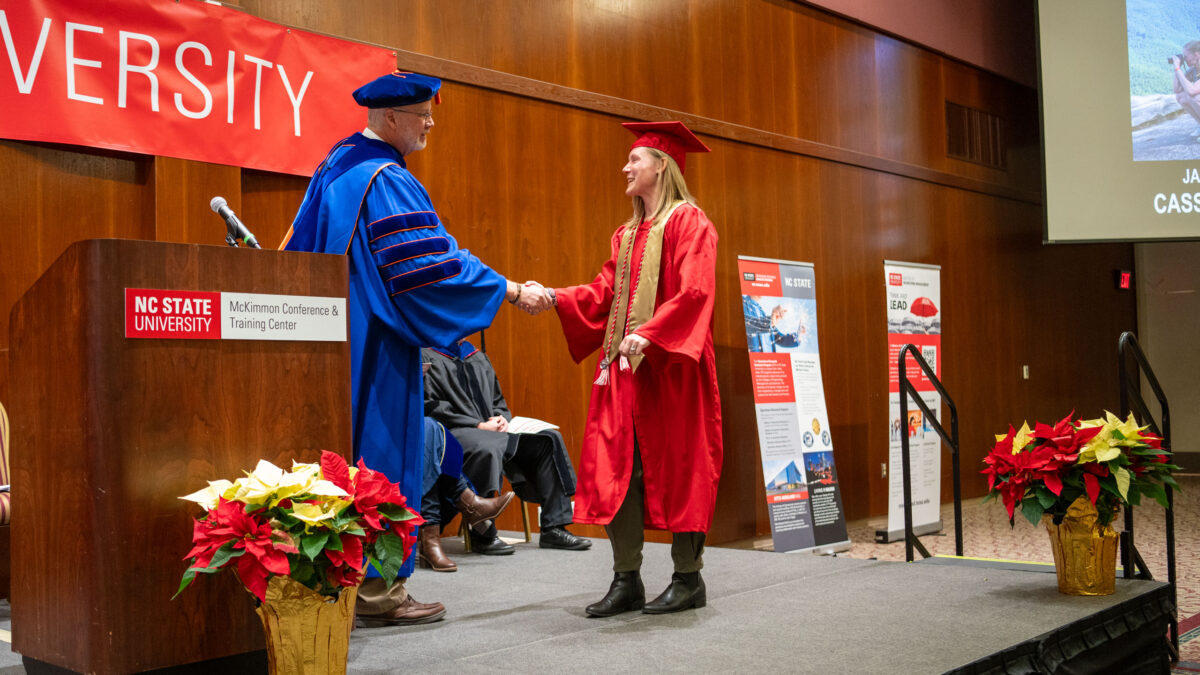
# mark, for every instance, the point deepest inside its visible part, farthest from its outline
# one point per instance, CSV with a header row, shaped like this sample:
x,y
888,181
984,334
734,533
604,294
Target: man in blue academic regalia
x,y
410,286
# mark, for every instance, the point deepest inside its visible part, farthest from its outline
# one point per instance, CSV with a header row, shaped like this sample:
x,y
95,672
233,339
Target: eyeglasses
x,y
426,115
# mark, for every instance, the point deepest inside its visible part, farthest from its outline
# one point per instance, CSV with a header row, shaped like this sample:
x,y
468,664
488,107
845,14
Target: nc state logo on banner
x,y
184,79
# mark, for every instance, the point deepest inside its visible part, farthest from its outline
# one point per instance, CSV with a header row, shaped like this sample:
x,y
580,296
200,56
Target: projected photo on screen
x,y
1120,125
1164,79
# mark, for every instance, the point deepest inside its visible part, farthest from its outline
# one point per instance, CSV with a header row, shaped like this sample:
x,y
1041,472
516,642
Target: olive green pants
x,y
626,532
375,596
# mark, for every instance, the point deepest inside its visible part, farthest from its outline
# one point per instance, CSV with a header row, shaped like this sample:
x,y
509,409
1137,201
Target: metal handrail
x,y
1132,401
951,439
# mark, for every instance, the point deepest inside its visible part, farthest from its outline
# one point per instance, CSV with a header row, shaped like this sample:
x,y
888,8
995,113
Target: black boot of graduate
x,y
626,594
685,592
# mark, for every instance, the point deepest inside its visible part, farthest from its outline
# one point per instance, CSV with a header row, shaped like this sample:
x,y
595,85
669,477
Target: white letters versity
x,y
192,78
257,87
148,70
24,83
295,99
72,61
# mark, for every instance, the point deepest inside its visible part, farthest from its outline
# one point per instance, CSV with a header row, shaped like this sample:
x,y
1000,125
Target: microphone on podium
x,y
234,229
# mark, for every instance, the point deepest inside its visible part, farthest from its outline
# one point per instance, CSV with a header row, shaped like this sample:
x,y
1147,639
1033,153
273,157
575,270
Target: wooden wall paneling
x,y
621,58
816,81
851,98
980,335
269,204
1023,130
849,302
183,189
785,89
741,186
912,124
54,195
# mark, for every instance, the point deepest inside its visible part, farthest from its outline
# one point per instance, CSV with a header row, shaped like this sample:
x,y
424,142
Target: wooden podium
x,y
109,432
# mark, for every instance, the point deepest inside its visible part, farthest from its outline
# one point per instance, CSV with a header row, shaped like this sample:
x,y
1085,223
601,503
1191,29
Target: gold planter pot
x,y
307,633
1085,552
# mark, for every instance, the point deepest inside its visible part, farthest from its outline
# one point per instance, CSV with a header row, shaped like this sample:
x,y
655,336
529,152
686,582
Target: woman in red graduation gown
x,y
652,447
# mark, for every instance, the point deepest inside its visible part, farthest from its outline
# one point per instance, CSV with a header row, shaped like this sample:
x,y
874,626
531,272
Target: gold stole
x,y
624,313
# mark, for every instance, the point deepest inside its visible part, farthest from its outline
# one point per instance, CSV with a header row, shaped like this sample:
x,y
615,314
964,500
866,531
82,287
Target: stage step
x,y
995,563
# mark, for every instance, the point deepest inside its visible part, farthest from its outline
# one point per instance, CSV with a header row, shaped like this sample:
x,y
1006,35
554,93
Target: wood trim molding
x,y
485,78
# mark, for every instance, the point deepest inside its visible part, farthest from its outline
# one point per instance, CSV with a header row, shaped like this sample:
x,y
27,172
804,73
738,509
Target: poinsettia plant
x,y
317,524
1111,462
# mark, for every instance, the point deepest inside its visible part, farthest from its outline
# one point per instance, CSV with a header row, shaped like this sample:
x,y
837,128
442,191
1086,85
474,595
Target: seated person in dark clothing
x,y
461,392
447,492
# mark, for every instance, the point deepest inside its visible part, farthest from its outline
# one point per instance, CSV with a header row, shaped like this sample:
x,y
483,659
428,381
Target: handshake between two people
x,y
535,298
530,297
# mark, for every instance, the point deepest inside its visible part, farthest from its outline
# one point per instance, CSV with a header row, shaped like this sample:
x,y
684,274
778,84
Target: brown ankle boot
x,y
476,509
430,553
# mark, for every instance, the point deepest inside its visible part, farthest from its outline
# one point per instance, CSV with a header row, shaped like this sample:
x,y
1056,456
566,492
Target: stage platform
x,y
795,613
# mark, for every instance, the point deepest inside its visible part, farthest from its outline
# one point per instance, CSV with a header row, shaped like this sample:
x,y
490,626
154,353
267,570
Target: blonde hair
x,y
672,189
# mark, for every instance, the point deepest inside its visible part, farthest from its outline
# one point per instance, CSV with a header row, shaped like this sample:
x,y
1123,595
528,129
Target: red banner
x,y
186,79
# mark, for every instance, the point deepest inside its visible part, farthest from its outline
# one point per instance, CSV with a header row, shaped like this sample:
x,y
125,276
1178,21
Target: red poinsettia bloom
x,y
371,489
1013,474
351,554
335,470
347,564
344,576
254,536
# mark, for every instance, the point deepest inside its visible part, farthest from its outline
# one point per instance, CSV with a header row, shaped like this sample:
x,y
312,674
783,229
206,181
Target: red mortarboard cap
x,y
398,88
673,138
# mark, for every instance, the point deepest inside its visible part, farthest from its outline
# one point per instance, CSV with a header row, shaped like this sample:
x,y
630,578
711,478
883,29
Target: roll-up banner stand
x,y
914,316
804,500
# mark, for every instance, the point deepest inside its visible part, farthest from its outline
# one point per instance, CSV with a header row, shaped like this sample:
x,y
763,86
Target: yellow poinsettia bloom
x,y
1024,435
269,485
317,513
209,496
313,514
1105,446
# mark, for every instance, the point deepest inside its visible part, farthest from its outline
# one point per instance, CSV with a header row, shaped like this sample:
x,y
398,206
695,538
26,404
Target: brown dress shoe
x,y
476,509
408,613
430,553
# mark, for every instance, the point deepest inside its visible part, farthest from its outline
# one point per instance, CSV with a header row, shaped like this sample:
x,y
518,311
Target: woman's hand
x,y
633,344
496,423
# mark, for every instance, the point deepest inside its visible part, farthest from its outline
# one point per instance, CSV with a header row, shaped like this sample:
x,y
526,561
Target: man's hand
x,y
497,423
512,291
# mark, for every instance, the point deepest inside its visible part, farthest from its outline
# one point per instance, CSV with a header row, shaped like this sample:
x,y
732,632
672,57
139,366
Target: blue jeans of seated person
x,y
442,480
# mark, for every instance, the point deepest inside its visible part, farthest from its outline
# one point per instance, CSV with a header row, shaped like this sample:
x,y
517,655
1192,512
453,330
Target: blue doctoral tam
x,y
398,88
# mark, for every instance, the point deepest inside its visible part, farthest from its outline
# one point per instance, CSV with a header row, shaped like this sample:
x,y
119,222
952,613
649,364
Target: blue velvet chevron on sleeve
x,y
406,248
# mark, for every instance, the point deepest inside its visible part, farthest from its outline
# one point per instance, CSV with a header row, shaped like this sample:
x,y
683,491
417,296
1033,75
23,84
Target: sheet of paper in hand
x,y
528,425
